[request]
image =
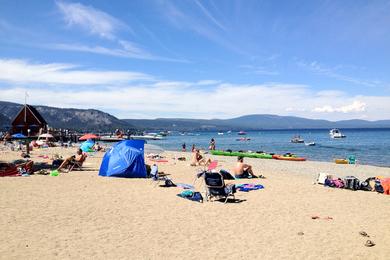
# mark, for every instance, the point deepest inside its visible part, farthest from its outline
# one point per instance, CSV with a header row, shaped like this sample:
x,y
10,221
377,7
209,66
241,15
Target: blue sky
x,y
199,59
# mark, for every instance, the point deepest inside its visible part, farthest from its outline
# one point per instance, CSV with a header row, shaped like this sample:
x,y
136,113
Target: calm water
x,y
370,146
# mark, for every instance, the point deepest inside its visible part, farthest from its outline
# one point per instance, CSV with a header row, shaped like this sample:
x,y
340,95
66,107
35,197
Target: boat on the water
x,y
242,133
220,133
146,137
243,139
297,139
336,133
310,144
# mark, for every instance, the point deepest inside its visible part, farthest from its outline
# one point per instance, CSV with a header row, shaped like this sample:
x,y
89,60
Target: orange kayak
x,y
288,158
341,161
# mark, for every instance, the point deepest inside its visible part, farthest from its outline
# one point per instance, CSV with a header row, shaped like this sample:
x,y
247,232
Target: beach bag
x,y
169,183
338,183
322,177
56,163
366,185
378,186
351,183
328,182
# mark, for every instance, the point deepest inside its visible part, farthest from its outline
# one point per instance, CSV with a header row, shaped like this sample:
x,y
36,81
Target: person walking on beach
x,y
243,170
212,144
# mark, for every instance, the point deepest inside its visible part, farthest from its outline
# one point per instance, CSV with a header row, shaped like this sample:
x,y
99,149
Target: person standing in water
x,y
183,147
212,144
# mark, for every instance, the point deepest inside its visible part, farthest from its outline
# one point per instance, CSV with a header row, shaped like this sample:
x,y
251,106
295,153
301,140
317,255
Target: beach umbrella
x,y
19,136
88,136
155,149
47,135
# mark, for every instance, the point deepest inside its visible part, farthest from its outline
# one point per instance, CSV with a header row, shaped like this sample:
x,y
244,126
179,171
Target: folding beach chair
x,y
216,187
73,165
201,171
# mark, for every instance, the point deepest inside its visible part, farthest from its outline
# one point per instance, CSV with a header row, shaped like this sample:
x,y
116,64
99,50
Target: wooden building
x,y
29,118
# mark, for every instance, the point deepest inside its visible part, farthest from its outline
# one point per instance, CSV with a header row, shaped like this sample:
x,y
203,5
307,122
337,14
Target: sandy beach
x,y
81,215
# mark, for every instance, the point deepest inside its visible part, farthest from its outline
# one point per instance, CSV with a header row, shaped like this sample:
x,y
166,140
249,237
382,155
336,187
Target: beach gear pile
x,y
378,184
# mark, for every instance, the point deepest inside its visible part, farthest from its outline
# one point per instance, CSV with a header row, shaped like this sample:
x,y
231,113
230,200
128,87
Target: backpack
x,y
329,182
366,186
351,183
378,186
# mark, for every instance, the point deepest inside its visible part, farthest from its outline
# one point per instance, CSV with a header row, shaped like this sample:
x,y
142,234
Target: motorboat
x,y
310,144
220,133
297,140
241,133
45,139
243,139
336,133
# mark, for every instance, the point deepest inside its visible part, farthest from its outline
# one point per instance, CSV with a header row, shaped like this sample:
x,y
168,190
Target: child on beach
x,y
198,159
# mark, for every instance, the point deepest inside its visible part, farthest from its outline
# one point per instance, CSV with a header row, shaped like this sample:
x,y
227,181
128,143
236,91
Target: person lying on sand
x,y
243,170
198,159
79,157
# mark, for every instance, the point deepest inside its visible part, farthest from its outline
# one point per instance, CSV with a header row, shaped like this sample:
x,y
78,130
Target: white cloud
x,y
117,52
90,19
332,73
356,106
22,71
149,97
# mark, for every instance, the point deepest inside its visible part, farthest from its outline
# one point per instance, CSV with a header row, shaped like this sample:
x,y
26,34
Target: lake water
x,y
369,146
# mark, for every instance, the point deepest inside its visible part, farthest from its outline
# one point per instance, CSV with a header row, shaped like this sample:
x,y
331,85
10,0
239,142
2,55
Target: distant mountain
x,y
79,119
251,122
95,120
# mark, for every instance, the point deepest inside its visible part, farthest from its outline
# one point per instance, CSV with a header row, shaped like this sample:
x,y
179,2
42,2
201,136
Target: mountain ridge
x,y
96,120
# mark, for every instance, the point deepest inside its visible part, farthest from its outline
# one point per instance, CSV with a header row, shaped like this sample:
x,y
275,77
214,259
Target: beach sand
x,y
81,215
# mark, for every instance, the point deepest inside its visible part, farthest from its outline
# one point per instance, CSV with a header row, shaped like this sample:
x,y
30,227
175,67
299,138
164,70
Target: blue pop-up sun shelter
x,y
125,159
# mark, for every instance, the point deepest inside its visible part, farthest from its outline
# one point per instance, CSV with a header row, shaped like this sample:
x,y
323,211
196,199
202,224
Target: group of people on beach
x,y
241,170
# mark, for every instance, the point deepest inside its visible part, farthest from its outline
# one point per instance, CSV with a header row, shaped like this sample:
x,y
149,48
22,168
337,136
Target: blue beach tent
x,y
123,160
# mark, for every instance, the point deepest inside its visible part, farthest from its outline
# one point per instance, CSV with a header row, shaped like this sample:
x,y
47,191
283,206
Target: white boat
x,y
297,139
45,139
310,144
220,133
336,133
108,138
146,137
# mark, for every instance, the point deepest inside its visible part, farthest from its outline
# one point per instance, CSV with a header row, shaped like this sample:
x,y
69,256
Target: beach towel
x,y
249,187
191,195
185,186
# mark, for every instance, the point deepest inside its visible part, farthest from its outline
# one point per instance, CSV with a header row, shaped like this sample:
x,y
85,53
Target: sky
x,y
199,59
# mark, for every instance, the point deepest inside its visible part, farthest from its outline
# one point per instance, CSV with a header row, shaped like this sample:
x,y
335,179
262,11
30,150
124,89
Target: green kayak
x,y
249,155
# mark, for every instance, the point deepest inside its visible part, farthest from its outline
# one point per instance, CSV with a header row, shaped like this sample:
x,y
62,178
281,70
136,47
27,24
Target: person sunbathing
x,y
243,170
79,157
198,159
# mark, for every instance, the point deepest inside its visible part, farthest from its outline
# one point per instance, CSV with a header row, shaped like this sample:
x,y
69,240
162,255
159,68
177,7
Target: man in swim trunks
x,y
243,170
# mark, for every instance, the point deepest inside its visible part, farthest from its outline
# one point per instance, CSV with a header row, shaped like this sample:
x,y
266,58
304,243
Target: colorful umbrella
x,y
88,136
